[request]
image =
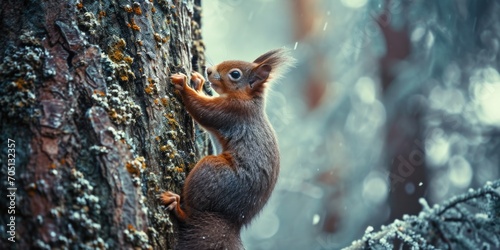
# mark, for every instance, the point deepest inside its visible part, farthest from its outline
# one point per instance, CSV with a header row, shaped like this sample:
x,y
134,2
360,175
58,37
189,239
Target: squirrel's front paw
x,y
198,80
179,80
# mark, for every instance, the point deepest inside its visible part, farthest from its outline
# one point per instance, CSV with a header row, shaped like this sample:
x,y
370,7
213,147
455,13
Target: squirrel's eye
x,y
235,74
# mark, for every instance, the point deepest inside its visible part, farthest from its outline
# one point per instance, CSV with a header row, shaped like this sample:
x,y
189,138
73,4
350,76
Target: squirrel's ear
x,y
259,75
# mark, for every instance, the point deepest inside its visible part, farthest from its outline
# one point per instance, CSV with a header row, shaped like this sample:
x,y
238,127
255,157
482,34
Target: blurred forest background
x,y
390,101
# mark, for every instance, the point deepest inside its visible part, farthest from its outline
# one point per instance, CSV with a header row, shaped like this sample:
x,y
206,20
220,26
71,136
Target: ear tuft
x,y
279,60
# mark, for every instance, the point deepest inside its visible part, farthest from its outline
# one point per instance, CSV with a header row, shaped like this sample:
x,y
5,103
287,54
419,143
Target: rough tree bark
x,y
96,128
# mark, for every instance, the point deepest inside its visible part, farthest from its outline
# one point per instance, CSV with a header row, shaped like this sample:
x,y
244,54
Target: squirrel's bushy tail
x,y
209,231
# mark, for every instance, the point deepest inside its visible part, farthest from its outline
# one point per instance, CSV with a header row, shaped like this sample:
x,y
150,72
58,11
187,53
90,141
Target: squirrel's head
x,y
249,77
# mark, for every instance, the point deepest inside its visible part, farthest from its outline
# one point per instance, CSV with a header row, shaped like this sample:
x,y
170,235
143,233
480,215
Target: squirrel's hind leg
x,y
173,202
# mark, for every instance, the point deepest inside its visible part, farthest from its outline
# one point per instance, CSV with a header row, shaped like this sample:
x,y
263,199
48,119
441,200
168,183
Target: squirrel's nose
x,y
209,71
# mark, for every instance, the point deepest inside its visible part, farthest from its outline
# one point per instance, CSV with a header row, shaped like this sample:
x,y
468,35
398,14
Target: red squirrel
x,y
223,192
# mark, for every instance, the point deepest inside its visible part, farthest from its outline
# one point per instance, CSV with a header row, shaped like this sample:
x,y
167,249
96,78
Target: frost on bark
x,y
97,128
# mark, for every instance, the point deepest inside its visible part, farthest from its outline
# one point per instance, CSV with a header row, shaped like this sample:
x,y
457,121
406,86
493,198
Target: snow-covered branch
x,y
467,221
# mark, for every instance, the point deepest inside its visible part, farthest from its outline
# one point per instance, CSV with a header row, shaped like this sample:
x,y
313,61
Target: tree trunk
x,y
91,129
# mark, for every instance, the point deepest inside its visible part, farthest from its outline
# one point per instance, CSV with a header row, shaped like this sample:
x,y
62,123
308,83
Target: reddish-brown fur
x,y
224,192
